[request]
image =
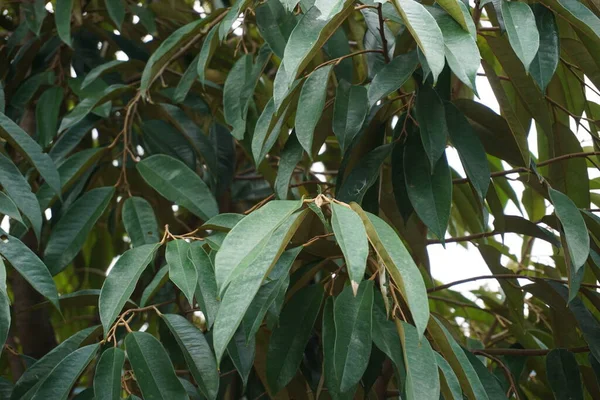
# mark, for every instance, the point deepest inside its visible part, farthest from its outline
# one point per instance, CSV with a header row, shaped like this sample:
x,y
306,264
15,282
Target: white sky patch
x,y
5,224
147,38
135,19
48,214
121,56
316,168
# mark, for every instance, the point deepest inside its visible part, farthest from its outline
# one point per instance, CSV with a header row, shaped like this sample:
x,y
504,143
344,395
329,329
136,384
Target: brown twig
x,y
502,276
506,370
525,352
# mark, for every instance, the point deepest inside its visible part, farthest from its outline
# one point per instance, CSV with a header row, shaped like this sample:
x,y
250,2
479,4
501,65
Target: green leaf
x,y
432,123
46,113
84,107
576,235
275,24
385,335
429,192
186,82
170,46
426,32
35,13
140,222
223,222
146,16
471,151
265,299
352,239
230,18
8,207
490,382
244,287
121,282
29,382
71,138
459,12
420,364
235,103
70,233
450,386
522,30
349,113
19,191
249,237
4,314
179,184
392,76
197,353
289,338
116,11
107,380
242,353
211,41
152,368
363,175
400,265
100,70
267,130
563,375
544,64
577,14
310,106
181,269
291,155
161,137
155,285
353,326
58,383
32,152
29,266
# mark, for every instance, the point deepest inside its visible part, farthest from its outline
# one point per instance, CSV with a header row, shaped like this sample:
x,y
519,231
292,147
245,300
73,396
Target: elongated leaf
x,y
576,235
181,269
353,326
198,354
310,106
275,24
121,282
155,285
140,222
420,364
207,294
209,46
490,382
563,375
35,374
267,130
244,287
230,18
186,82
71,138
385,335
70,233
46,114
288,340
62,17
19,191
291,155
450,386
349,112
265,299
235,105
4,314
13,134
100,70
107,380
429,192
399,265
242,353
459,13
425,31
35,13
29,267
152,368
392,76
176,182
352,239
8,207
544,64
248,238
116,11
522,30
578,15
172,45
471,151
58,383
432,123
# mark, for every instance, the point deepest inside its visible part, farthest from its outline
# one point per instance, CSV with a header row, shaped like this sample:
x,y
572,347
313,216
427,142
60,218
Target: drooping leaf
x,y
235,104
399,264
353,327
121,282
471,151
352,239
392,76
116,11
152,368
385,335
206,291
420,364
8,207
176,182
522,30
107,380
563,375
432,123
242,353
310,106
449,384
459,12
230,18
288,340
140,222
46,113
71,231
544,64
182,271
14,135
186,82
4,314
100,70
208,49
35,13
62,17
249,237
429,192
349,113
154,286
426,32
197,353
291,155
275,24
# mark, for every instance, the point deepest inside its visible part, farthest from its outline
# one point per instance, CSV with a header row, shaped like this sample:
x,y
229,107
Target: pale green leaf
x,y
351,236
181,269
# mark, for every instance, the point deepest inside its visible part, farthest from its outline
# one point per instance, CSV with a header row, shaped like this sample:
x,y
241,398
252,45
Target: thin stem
x,y
502,276
524,352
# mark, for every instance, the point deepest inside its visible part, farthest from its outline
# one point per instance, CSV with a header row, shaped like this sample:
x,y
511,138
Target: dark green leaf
x,y
290,157
182,271
392,76
8,207
140,222
450,386
349,112
544,64
242,352
209,46
116,11
310,106
107,380
98,71
155,285
46,113
352,239
522,30
563,375
432,123
275,25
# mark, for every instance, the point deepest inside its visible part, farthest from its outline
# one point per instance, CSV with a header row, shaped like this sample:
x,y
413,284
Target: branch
x,y
467,238
502,276
384,43
525,352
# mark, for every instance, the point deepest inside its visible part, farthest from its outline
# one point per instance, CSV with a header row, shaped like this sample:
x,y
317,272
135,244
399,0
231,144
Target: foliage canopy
x,y
210,200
